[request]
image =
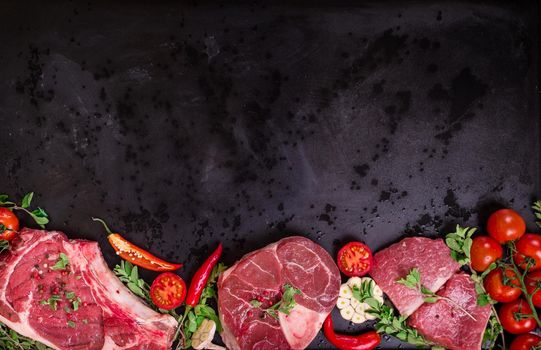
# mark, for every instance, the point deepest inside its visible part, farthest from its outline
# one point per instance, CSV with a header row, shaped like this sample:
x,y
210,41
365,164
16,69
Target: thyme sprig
x,y
39,215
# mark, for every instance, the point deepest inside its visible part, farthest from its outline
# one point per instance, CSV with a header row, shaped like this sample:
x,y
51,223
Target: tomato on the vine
x,y
355,259
10,224
528,245
516,317
502,288
484,251
505,225
533,281
526,342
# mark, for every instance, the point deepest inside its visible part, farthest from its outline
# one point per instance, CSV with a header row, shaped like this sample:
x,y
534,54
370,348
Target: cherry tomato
x,y
168,291
532,281
500,290
355,259
505,225
526,342
513,317
10,222
529,245
484,251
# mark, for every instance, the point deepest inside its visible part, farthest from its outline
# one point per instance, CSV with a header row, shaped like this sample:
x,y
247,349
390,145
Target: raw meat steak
x,y
296,261
448,326
108,315
431,256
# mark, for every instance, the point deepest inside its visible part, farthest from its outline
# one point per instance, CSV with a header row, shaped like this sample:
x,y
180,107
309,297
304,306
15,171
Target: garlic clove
x,y
354,281
342,303
354,302
358,318
345,291
347,313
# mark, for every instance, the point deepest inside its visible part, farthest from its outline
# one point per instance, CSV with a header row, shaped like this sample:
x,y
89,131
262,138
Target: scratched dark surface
x,y
185,125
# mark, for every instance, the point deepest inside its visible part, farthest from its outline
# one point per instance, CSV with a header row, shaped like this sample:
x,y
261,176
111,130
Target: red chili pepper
x,y
137,256
199,280
365,341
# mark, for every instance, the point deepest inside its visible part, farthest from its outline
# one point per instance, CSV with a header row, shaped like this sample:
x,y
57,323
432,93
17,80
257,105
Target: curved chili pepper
x,y
199,280
137,256
198,283
365,341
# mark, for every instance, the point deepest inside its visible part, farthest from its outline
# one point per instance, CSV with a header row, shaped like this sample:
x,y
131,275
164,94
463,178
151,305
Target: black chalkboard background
x,y
187,124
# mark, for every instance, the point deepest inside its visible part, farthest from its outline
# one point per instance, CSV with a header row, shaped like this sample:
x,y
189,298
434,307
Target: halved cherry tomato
x,y
355,259
168,291
484,251
500,290
505,225
514,317
528,245
526,342
10,222
533,281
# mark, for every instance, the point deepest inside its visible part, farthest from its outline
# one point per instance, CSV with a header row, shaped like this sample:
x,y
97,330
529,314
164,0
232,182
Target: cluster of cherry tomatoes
x,y
502,283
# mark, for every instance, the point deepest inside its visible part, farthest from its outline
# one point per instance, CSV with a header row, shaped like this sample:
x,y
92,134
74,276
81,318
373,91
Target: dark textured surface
x,y
186,125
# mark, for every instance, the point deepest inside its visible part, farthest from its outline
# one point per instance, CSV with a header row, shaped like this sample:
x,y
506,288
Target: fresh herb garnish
x,y
71,324
286,304
492,332
256,303
364,292
202,311
52,301
460,243
4,245
11,340
413,281
61,263
39,215
537,212
391,324
129,275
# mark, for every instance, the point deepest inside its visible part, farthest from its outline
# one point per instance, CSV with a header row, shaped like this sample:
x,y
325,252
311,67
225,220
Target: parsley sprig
x,y
285,304
392,324
413,281
11,340
363,292
39,215
62,262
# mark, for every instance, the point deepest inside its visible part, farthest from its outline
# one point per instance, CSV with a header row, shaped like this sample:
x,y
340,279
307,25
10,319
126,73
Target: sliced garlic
x,y
350,307
345,291
358,318
342,303
354,302
347,312
354,281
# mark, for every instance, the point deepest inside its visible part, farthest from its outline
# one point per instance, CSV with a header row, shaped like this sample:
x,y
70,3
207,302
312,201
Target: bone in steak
x,y
445,324
108,315
431,256
294,260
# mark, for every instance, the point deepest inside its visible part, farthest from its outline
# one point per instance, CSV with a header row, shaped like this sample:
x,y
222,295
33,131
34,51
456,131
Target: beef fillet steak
x,y
78,306
262,275
431,256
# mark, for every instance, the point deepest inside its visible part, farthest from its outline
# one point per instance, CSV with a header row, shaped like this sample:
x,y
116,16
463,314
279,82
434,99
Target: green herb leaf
x,y
40,217
459,242
27,199
70,295
71,324
255,303
4,245
61,263
537,212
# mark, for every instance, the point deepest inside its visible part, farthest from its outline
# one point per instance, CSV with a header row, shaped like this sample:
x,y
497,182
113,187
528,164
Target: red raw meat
x,y
294,260
109,316
445,324
431,256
